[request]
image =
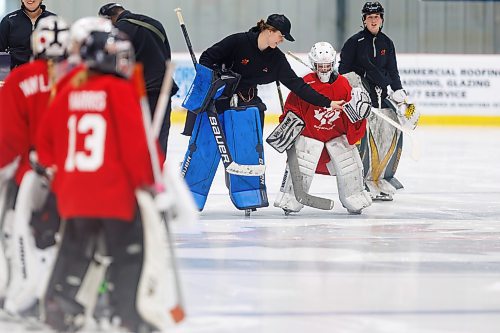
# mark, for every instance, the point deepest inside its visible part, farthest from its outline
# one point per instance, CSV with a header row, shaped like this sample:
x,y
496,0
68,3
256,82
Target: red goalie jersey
x,y
322,124
95,137
25,98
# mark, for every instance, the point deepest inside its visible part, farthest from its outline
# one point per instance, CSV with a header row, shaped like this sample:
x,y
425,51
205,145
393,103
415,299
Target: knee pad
x,y
308,153
349,170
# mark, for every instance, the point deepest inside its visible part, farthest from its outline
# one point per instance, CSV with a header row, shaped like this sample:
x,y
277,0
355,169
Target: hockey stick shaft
x,y
178,11
415,151
229,164
299,60
293,163
155,163
161,106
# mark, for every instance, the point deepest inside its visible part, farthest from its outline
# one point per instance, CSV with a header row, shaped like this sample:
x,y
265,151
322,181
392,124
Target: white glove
x,y
399,96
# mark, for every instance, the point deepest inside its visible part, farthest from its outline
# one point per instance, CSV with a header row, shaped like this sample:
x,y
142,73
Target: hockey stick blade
x,y
415,151
302,196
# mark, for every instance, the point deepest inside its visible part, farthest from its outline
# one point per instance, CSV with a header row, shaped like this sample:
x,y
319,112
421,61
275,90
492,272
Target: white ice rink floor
x,y
428,262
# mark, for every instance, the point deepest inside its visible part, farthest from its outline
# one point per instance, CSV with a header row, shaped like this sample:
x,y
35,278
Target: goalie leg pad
x,y
243,131
201,160
155,293
28,264
349,171
381,150
308,153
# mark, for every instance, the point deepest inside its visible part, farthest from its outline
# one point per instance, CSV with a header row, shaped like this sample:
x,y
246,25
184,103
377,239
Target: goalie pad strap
x,y
349,169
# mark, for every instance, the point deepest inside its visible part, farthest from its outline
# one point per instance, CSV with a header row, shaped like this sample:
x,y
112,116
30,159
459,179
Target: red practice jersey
x,y
322,124
27,93
25,97
94,135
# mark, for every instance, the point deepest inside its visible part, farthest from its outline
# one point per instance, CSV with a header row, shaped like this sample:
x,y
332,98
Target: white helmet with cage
x,y
108,53
82,28
322,58
50,38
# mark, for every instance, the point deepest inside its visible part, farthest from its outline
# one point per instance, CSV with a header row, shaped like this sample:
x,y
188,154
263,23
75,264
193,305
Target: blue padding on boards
x,y
244,139
201,160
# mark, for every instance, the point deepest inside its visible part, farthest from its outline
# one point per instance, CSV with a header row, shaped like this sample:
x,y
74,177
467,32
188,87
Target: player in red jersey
x,y
25,98
326,145
94,139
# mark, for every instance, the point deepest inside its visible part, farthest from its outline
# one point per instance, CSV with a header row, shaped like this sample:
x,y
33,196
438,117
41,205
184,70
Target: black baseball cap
x,y
281,23
106,9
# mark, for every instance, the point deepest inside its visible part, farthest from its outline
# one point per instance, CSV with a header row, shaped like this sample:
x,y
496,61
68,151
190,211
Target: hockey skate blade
x,y
246,170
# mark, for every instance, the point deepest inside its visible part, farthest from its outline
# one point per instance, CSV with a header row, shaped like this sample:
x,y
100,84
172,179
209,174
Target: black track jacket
x,y
15,35
150,50
371,57
240,53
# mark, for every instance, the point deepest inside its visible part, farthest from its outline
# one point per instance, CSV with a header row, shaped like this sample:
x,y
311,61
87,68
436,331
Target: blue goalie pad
x,y
244,138
201,160
205,87
4,65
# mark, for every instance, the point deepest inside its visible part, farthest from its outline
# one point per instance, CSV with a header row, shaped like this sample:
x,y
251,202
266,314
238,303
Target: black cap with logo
x,y
106,9
281,23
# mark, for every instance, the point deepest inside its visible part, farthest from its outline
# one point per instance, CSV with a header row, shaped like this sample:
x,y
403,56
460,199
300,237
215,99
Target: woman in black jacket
x,y
256,57
371,54
16,28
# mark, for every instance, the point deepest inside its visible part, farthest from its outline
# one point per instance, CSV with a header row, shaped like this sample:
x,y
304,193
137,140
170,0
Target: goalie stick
x,y
299,60
293,164
229,163
177,313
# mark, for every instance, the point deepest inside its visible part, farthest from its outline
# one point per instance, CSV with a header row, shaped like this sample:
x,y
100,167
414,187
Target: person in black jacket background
x,y
372,55
256,56
16,28
152,49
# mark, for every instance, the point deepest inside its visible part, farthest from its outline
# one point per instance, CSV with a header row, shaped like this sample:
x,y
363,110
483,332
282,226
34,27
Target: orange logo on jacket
x,y
382,52
244,61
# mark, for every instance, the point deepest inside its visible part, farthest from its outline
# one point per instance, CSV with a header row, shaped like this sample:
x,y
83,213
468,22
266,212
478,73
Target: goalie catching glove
x,y
407,113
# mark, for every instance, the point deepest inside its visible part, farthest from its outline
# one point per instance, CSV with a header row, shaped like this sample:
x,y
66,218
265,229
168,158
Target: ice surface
x,y
427,262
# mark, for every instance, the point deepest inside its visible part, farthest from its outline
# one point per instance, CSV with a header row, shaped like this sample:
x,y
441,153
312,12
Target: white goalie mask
x,y
322,58
50,38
